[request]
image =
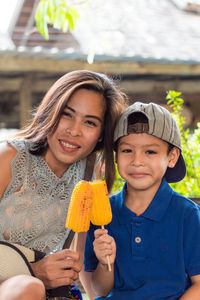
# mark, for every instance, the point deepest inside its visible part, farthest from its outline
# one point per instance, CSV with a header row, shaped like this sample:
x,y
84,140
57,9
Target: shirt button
x,y
138,223
138,240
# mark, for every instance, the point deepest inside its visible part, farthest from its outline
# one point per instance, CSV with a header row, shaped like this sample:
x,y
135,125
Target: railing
x,y
196,200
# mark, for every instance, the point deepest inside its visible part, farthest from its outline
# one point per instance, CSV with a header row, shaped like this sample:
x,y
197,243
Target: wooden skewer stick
x,y
75,241
108,257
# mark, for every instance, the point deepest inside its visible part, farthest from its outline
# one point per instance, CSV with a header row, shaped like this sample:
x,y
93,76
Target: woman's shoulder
x,y
7,152
10,147
13,158
10,151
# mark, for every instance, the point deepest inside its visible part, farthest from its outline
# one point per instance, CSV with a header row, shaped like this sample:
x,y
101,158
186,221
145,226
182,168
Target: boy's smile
x,y
142,161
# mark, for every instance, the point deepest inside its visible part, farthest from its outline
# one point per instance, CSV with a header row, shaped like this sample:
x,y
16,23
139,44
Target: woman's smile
x,y
66,146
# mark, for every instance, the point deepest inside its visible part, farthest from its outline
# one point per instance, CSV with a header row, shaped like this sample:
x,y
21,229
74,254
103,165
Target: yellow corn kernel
x,y
101,211
79,213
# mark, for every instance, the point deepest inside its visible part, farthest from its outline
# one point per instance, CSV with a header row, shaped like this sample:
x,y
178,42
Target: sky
x,y
7,9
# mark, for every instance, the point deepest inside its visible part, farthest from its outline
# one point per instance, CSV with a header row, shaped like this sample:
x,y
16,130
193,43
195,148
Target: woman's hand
x,y
58,269
104,245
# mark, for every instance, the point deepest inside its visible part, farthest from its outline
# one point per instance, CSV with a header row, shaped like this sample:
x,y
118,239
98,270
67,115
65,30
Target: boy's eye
x,y
126,150
151,152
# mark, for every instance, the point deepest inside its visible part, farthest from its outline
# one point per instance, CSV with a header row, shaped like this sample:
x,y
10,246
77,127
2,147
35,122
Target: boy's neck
x,y
138,201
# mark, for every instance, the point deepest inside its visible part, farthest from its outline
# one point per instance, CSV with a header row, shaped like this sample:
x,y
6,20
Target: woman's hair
x,y
49,111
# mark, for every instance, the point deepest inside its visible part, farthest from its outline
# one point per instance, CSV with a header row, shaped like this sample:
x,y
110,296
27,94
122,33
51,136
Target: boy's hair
x,y
155,120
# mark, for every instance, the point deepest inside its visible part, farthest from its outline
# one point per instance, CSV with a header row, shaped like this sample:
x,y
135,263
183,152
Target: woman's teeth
x,y
69,145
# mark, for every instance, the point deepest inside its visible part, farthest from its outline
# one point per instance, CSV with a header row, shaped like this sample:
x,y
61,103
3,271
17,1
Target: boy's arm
x,y
194,291
102,278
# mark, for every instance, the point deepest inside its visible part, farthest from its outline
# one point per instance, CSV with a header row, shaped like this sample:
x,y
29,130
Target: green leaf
x,y
56,13
41,18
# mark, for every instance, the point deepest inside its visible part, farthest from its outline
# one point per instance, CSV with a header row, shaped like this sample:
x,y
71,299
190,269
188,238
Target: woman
x,y
41,165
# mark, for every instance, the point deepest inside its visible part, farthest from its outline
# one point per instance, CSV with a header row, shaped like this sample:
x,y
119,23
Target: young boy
x,y
153,240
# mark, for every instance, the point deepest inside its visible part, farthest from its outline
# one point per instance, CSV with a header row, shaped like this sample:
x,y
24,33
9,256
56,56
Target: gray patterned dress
x,y
34,206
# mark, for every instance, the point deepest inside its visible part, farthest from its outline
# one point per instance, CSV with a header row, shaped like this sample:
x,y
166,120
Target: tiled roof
x,y
140,29
135,30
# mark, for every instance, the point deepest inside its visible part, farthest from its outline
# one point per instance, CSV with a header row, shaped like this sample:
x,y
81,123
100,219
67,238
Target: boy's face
x,y
142,160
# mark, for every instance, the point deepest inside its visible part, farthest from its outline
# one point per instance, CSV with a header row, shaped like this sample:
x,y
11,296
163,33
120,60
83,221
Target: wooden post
x,y
25,100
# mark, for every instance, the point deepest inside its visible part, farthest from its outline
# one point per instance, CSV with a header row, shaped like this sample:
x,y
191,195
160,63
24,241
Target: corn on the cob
x,y
101,211
78,217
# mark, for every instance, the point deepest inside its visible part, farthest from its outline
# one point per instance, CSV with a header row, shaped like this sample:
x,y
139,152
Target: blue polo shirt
x,y
157,252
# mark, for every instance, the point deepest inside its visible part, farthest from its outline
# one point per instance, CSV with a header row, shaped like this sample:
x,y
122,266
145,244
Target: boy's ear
x,y
173,157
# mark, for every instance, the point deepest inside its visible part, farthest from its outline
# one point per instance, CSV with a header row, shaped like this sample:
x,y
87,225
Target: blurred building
x,y
150,46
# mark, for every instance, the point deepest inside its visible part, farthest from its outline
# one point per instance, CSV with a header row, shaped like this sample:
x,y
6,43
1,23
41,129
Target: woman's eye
x,y
67,114
91,123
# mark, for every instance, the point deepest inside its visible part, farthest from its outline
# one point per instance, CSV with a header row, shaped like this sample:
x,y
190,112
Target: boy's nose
x,y
137,159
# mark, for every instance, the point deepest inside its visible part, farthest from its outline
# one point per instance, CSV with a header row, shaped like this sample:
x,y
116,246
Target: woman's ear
x,y
173,157
100,139
101,136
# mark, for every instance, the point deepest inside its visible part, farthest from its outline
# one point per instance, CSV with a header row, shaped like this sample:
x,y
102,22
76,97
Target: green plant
x,y
190,185
57,13
119,182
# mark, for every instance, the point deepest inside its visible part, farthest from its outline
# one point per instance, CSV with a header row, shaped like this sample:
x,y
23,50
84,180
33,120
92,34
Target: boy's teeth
x,y
68,145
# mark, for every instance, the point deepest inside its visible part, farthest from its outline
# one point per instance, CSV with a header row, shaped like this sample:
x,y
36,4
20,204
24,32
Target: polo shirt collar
x,y
155,210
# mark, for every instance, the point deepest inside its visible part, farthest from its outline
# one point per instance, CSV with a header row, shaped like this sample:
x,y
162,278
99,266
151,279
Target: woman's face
x,y
78,130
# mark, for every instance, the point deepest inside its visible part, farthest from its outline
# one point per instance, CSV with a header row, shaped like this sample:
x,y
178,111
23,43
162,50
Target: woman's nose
x,y
74,129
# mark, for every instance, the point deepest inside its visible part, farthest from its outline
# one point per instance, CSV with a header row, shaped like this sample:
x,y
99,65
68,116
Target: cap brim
x,y
176,173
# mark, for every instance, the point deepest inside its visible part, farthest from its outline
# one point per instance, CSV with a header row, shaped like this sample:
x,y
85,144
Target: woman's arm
x,y
7,153
193,293
58,269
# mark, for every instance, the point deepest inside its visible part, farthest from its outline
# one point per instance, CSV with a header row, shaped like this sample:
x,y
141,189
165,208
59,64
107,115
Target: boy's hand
x,y
104,245
58,269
